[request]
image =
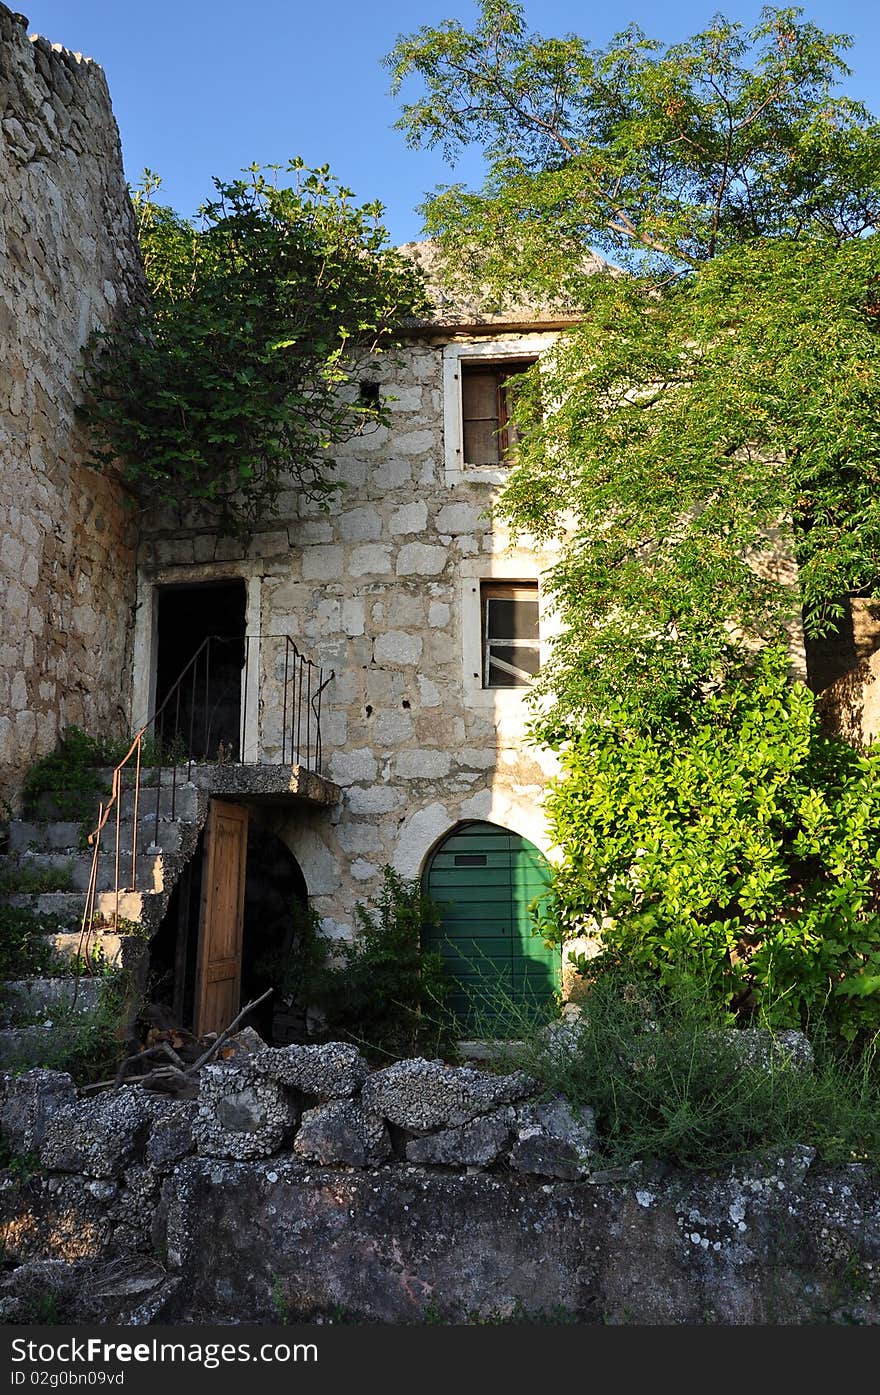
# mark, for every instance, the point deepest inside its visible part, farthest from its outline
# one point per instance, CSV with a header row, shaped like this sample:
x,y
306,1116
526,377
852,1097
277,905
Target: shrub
x,y
388,993
662,1071
88,1044
738,843
25,946
68,777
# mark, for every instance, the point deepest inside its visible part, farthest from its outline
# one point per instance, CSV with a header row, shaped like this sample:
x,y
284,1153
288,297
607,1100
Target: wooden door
x,y
221,917
484,878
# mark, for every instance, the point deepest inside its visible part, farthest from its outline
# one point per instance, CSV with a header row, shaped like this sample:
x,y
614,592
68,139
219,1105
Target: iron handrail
x,y
304,669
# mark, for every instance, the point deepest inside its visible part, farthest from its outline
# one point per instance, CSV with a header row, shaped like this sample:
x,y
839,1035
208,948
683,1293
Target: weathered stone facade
x,y
68,257
384,590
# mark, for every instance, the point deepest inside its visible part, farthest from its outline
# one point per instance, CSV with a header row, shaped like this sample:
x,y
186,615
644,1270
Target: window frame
x,y
496,588
489,351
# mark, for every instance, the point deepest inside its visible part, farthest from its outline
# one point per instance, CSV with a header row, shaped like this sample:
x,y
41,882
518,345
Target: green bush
x,y
88,1044
68,777
662,1070
388,993
33,881
738,844
25,946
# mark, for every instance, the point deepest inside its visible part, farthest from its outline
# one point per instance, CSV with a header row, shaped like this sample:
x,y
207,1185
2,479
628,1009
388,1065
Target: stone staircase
x,y
71,966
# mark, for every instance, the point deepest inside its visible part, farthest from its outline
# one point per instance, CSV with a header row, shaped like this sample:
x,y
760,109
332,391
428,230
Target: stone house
x,y
361,673
430,618
413,612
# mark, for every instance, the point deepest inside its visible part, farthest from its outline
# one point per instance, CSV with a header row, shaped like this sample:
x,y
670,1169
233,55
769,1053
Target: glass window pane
x,y
511,618
512,666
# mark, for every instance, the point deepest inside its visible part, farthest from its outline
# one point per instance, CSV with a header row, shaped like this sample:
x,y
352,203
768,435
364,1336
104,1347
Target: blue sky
x,y
204,87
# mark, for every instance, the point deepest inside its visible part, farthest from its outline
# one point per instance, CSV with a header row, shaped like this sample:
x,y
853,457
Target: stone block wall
x,y
382,589
413,1194
68,258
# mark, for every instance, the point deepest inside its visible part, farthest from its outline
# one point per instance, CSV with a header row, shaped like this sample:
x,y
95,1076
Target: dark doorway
x,y
275,920
275,911
199,668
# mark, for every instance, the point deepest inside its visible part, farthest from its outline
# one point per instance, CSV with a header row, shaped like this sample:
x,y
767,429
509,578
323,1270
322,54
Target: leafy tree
x,y
739,844
235,379
724,390
714,415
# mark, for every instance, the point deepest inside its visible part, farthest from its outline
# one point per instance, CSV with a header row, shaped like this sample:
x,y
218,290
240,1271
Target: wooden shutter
x,y
487,432
479,414
484,877
221,918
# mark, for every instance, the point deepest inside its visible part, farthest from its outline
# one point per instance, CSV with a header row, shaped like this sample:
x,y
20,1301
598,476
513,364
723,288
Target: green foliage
x,y
25,946
233,382
719,402
660,156
68,779
34,880
738,844
21,1165
668,1082
88,1044
702,439
388,993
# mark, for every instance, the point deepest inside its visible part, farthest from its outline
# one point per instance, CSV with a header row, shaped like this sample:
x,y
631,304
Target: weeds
x,y
68,780
388,993
34,881
26,946
85,1043
663,1072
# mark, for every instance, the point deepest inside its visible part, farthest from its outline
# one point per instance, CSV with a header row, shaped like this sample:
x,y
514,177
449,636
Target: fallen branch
x,y
150,1053
176,1078
225,1035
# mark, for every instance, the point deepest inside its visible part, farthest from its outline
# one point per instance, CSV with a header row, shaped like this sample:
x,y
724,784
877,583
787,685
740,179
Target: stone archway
x,y
275,912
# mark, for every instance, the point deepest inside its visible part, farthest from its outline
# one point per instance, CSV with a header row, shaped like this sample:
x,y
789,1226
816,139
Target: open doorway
x,y
274,919
201,635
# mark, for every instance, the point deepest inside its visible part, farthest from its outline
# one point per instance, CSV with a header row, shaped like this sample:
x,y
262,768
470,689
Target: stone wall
x,y
67,259
299,1188
850,707
384,590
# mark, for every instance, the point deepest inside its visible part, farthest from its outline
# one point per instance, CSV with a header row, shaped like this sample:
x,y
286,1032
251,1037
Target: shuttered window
x,y
488,434
511,639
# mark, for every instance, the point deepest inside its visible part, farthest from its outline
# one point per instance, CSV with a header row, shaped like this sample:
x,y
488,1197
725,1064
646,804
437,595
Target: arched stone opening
x,y
275,919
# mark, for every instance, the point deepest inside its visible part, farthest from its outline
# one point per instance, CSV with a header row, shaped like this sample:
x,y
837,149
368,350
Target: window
x,y
511,640
487,431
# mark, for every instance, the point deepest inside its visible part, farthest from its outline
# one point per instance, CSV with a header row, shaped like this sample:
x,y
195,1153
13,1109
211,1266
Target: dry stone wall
x,y
68,258
416,1193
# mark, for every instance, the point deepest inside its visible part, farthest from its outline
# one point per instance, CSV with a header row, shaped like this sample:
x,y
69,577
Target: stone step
x,y
180,801
43,1045
57,836
69,905
106,943
78,866
26,998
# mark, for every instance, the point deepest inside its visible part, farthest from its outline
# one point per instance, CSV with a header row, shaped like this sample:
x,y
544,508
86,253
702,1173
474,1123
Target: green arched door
x,y
484,878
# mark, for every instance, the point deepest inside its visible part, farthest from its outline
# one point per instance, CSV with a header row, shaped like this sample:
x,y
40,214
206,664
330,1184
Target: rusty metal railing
x,y
203,717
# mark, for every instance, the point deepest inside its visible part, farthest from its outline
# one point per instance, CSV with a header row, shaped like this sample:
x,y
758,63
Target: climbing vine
x,y
236,378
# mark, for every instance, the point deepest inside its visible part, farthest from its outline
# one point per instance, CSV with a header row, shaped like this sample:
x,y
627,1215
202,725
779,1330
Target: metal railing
x,y
208,715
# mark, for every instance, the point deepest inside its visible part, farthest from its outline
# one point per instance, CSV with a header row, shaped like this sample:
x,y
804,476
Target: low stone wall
x,y
299,1187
